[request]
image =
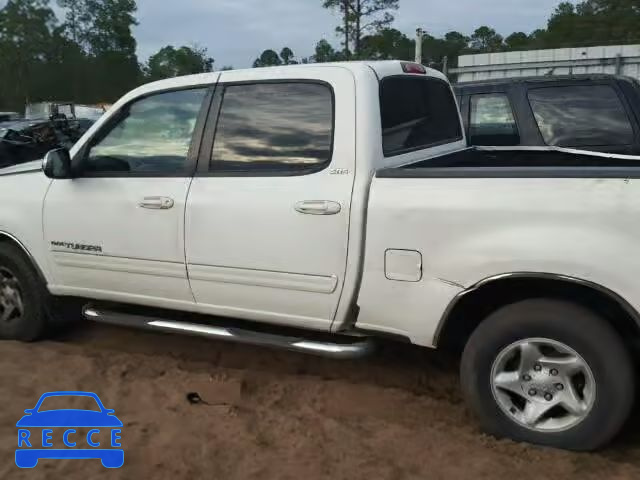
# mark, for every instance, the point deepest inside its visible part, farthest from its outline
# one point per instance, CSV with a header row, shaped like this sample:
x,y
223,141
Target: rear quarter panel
x,y
471,229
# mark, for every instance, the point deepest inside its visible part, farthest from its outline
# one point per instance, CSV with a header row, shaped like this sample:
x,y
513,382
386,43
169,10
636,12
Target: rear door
x,y
267,216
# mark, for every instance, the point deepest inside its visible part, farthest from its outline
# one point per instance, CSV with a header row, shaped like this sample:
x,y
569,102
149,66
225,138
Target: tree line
x,y
366,33
89,55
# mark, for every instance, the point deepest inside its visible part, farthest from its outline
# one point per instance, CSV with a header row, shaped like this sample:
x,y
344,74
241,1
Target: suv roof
x,y
549,78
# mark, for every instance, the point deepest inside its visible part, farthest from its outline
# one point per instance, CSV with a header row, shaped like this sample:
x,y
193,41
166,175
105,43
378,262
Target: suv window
x,y
150,136
417,112
491,120
274,128
577,116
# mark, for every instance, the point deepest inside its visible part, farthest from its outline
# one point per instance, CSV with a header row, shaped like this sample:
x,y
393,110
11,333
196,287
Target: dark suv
x,y
588,112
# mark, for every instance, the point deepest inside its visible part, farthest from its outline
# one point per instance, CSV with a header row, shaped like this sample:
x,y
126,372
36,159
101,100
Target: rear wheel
x,y
22,297
549,372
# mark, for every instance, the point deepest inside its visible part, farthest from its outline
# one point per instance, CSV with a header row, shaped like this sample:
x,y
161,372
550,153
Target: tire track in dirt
x,y
272,414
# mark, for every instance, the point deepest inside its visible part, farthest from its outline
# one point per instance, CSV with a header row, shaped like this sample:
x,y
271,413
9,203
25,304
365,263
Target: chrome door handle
x,y
157,203
318,207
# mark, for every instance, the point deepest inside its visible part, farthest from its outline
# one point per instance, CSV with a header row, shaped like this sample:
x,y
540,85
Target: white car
x,y
322,206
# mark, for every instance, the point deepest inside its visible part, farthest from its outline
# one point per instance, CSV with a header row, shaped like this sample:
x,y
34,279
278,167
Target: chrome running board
x,y
344,346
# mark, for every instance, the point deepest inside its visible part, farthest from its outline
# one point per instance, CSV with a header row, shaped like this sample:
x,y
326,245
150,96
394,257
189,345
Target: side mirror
x,y
57,164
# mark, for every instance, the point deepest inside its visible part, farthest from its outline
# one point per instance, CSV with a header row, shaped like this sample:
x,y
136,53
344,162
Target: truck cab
x,y
238,193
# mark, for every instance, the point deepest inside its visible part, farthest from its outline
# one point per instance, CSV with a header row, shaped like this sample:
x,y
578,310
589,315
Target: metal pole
x,y
619,64
419,34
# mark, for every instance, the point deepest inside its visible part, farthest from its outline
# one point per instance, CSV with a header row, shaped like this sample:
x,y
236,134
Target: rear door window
x,y
274,129
492,121
581,116
417,112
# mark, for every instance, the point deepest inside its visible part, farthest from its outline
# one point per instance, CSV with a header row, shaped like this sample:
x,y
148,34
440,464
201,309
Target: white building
x,y
617,59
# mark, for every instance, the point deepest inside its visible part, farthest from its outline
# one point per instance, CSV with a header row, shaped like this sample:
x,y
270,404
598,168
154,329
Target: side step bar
x,y
343,347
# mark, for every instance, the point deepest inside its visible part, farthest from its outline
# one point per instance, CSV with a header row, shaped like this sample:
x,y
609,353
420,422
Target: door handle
x,y
318,207
157,203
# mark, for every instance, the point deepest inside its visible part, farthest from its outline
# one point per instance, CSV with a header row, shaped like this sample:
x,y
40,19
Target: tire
x,y
17,274
495,365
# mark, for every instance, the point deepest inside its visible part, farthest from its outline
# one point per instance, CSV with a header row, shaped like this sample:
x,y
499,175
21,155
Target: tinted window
x,y
581,116
7,117
281,127
417,112
13,136
492,121
152,135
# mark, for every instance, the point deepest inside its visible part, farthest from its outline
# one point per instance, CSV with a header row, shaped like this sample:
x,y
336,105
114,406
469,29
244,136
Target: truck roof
x,y
381,68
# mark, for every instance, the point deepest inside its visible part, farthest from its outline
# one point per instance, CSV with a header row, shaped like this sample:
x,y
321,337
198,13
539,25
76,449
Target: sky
x,y
237,31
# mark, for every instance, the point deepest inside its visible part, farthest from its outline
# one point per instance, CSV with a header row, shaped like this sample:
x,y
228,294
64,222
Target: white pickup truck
x,y
321,206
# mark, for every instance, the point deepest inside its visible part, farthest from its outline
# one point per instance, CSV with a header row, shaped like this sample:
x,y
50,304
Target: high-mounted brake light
x,y
408,67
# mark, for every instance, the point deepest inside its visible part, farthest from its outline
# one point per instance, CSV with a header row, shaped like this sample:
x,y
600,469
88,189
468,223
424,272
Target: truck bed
x,y
509,162
482,213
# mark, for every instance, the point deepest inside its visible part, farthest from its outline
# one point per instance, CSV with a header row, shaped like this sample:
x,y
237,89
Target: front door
x,y
594,116
268,212
116,231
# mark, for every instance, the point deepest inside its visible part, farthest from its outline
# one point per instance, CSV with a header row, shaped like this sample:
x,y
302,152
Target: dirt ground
x,y
275,415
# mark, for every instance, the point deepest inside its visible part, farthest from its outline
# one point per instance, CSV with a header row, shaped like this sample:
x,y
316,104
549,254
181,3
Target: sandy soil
x,y
275,415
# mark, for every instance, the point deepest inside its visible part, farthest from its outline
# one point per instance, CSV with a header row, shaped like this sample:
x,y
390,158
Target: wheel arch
x,y
6,237
471,306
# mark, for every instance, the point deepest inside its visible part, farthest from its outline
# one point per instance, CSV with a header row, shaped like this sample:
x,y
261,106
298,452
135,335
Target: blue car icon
x,y
28,452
